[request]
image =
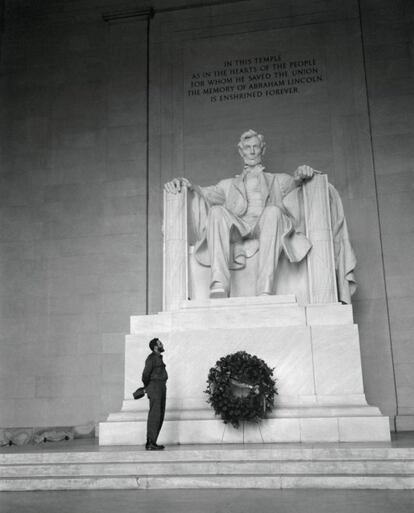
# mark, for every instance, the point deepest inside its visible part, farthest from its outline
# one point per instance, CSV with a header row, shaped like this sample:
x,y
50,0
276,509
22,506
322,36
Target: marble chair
x,y
311,281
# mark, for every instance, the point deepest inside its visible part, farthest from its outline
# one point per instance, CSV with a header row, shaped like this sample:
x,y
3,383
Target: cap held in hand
x,y
139,392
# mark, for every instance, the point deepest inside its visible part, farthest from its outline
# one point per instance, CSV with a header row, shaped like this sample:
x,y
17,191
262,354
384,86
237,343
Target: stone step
x,y
187,468
273,466
287,452
209,481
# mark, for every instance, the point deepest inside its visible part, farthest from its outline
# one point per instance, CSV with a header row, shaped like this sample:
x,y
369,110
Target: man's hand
x,y
303,173
176,185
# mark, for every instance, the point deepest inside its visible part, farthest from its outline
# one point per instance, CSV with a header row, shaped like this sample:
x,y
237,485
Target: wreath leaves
x,y
241,388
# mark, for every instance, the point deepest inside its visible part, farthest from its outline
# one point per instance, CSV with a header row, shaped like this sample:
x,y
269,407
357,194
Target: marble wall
x,y
73,175
389,48
72,209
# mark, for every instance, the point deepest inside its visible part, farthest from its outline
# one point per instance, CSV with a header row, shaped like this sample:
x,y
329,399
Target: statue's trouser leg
x,y
218,241
271,226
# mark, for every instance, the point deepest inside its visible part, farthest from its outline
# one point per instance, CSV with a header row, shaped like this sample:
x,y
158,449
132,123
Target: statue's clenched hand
x,y
304,173
176,185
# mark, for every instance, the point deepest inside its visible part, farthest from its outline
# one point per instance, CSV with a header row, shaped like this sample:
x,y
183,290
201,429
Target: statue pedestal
x,y
314,350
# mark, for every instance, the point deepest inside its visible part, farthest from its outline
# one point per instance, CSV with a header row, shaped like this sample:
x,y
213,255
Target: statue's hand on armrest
x,y
304,173
176,185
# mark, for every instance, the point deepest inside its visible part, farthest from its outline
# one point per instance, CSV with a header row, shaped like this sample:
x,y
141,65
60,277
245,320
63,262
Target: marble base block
x,y
274,430
314,351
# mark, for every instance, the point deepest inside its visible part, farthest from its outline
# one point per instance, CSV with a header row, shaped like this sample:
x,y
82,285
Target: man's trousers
x,y
156,392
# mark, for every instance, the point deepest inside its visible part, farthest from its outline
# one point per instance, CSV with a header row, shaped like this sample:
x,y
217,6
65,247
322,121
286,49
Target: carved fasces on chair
x,y
175,279
320,260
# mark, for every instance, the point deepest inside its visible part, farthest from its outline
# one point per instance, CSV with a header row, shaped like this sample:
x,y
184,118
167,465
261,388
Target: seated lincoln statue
x,y
246,215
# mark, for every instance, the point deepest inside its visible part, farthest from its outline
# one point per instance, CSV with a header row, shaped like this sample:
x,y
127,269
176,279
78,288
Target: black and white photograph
x,y
206,256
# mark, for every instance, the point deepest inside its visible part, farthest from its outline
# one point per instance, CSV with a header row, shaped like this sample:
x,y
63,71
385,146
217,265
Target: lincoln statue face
x,y
251,148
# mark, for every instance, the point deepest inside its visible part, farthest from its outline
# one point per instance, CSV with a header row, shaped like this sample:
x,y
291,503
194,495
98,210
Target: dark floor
x,y
209,501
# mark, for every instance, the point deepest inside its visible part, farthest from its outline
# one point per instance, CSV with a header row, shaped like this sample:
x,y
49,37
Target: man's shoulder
x,y
154,356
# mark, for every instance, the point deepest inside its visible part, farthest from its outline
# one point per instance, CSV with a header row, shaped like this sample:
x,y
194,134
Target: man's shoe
x,y
152,447
160,447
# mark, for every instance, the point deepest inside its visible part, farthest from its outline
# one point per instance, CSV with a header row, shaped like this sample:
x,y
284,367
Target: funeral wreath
x,y
241,387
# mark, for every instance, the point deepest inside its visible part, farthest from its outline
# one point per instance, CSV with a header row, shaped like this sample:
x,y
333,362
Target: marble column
x,y
320,260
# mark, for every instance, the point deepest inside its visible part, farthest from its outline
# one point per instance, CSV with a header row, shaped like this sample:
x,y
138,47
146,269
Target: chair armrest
x,y
175,250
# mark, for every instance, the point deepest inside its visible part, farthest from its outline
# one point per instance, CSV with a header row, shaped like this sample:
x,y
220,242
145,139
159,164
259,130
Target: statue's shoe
x,y
217,291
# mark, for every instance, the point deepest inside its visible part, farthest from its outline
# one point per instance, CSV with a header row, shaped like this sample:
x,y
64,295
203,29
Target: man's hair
x,y
248,135
153,343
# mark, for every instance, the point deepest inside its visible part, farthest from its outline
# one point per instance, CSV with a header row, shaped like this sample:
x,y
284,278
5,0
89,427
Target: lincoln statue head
x,y
251,148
